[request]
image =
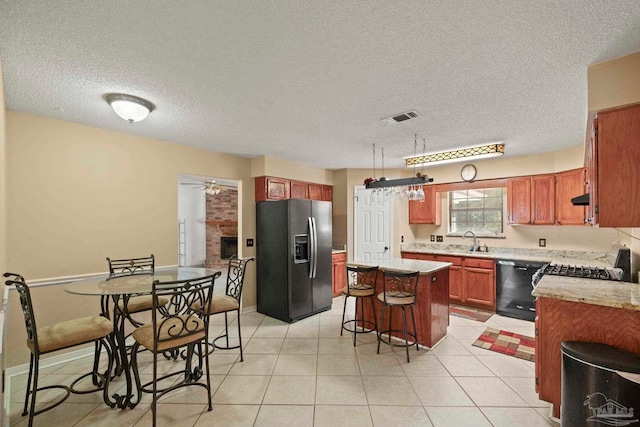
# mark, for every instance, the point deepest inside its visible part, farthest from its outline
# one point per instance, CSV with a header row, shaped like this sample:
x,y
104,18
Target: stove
x,y
620,272
583,272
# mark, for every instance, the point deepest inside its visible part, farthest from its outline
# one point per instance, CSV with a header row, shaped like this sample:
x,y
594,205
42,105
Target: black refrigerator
x,y
293,245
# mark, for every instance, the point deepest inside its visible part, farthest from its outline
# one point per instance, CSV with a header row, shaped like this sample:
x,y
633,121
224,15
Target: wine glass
x,y
420,194
413,194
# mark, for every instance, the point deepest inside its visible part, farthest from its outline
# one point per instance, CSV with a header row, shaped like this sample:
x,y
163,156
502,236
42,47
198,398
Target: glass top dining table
x,y
122,288
134,285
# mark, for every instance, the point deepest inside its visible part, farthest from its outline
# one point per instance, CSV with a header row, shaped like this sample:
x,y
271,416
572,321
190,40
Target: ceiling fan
x,y
210,187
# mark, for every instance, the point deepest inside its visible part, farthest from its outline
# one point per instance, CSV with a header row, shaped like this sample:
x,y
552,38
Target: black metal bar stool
x,y
399,290
361,283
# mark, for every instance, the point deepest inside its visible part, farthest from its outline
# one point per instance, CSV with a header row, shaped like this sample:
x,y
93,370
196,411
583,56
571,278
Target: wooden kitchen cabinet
x,y
339,272
472,281
519,200
543,199
315,191
591,154
270,188
299,190
559,320
327,193
616,167
455,276
427,212
570,184
479,283
531,200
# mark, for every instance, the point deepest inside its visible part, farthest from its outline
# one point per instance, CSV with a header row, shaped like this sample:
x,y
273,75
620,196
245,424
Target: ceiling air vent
x,y
401,117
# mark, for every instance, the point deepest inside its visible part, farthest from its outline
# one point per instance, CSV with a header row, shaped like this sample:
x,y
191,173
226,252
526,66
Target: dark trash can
x,y
600,385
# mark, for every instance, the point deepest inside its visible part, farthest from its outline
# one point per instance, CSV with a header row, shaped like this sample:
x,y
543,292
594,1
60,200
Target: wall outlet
x,y
401,239
249,243
542,242
433,238
439,239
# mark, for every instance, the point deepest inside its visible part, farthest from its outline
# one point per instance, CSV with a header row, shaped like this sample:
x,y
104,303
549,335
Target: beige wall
x,y
614,83
3,185
76,194
3,223
565,237
273,166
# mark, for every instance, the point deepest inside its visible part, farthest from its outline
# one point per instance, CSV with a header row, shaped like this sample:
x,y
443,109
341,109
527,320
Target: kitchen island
x,y
575,309
432,297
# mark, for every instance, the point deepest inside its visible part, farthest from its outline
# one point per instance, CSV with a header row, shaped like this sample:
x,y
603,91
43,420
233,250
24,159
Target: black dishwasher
x,y
513,288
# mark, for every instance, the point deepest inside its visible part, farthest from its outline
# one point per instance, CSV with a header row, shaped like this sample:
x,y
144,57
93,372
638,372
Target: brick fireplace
x,y
222,224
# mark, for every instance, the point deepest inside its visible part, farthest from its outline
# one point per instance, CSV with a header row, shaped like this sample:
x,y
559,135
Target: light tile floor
x,y
306,374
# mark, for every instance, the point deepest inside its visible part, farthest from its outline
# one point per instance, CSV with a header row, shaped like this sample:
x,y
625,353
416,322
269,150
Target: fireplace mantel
x,y
214,222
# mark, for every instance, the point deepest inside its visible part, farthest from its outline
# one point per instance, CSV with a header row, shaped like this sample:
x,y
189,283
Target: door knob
x,y
386,248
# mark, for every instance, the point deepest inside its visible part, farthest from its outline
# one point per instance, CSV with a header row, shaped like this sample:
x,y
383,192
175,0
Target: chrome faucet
x,y
475,239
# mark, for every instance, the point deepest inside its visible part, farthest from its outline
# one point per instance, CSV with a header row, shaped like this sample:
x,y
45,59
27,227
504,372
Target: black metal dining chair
x,y
399,291
361,285
177,326
60,336
230,301
132,267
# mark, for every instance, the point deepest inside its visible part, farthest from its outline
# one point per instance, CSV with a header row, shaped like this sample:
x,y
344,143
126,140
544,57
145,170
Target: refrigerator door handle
x,y
315,247
312,238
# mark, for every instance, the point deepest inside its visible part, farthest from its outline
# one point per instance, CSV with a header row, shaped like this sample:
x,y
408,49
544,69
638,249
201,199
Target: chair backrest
x,y
131,266
235,276
400,285
361,278
179,318
27,308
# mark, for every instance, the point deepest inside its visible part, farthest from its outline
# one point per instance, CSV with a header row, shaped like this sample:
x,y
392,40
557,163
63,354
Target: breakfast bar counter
x,y
432,297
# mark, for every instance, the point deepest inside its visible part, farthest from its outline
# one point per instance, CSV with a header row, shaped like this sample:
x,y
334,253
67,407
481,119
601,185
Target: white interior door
x,y
372,226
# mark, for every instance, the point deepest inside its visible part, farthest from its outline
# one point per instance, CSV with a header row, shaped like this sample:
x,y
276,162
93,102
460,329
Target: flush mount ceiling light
x,y
463,154
129,107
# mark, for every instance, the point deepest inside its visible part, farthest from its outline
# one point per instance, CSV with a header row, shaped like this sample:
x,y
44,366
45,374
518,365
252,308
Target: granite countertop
x,y
405,264
338,251
584,258
609,293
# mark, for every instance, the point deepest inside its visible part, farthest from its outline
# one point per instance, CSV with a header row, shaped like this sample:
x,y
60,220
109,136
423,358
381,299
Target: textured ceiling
x,y
311,81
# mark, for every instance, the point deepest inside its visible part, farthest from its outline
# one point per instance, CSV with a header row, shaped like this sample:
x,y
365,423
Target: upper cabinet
x,y
519,200
614,166
299,190
546,199
570,184
531,200
427,212
272,188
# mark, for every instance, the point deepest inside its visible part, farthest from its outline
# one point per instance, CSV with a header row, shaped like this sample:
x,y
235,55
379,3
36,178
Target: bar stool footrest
x,y
401,338
352,326
222,346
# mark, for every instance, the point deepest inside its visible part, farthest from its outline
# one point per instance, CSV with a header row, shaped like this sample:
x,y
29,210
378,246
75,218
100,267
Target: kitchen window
x,y
478,210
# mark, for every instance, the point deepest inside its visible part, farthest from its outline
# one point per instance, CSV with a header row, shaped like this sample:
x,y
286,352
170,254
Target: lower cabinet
x,y
455,276
472,281
339,272
479,283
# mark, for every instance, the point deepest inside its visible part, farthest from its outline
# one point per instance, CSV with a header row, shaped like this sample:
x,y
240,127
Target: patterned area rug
x,y
505,342
469,313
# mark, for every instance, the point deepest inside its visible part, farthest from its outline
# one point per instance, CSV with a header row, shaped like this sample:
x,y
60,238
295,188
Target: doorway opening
x,y
205,217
